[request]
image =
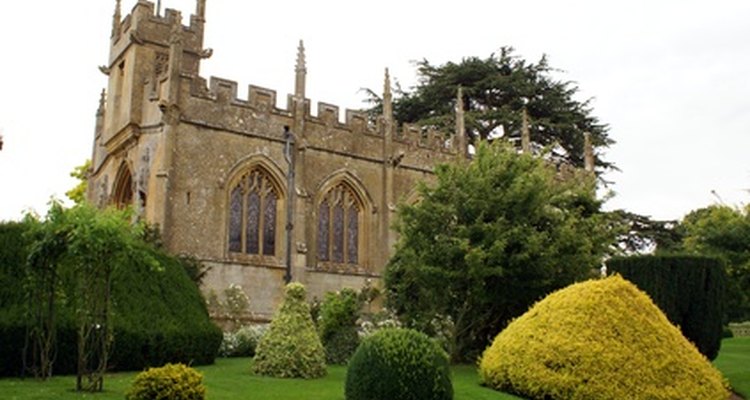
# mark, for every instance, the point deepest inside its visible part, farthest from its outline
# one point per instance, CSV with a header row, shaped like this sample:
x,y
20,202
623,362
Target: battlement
x,y
144,25
217,103
222,97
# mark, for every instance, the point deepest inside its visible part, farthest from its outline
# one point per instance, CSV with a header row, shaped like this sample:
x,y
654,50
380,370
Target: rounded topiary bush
x,y
398,364
291,348
600,339
170,382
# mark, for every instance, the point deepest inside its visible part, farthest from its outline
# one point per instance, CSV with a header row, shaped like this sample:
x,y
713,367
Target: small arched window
x,y
339,217
253,204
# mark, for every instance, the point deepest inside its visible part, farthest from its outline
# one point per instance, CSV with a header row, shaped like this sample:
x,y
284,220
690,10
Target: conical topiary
x,y
600,339
291,348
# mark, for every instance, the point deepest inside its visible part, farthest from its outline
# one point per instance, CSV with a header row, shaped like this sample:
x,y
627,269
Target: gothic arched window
x,y
253,204
339,216
122,195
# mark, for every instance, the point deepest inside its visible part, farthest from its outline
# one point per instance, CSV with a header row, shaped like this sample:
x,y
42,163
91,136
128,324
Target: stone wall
x,y
184,141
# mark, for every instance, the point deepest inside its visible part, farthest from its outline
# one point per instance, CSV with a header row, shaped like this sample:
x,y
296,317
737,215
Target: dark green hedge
x,y
689,289
159,314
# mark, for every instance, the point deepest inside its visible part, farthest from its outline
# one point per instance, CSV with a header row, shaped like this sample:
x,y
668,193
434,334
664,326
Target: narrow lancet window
x,y
323,231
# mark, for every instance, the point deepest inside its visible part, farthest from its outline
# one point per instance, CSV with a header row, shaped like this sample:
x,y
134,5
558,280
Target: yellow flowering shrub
x,y
600,339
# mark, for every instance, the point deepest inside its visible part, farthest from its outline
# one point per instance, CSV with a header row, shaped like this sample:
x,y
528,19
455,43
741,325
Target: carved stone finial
x,y
525,132
460,123
174,69
300,70
200,10
116,19
102,102
175,36
387,97
588,152
301,64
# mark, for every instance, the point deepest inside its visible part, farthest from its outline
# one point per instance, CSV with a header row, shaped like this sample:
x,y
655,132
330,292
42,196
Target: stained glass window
x,y
252,214
337,250
352,234
338,226
269,224
252,225
323,231
235,220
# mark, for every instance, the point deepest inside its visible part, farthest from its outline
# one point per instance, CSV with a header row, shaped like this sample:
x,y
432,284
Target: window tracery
x,y
253,204
339,217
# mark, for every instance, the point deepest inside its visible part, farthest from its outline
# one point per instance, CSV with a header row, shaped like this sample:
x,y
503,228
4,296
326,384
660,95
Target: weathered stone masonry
x,y
210,169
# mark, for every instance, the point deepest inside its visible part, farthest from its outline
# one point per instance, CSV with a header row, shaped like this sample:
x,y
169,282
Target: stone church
x,y
260,194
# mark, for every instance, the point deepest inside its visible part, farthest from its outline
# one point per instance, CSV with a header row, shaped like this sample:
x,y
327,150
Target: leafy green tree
x,y
74,252
724,232
78,193
496,91
641,234
490,238
42,286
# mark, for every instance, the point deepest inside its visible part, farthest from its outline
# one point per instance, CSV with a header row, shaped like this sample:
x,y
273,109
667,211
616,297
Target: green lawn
x,y
734,363
231,379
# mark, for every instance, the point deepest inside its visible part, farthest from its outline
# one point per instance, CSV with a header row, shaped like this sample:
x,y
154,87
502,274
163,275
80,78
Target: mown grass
x,y
231,379
734,362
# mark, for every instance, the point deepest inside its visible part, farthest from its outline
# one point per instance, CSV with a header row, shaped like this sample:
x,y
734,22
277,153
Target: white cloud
x,y
670,77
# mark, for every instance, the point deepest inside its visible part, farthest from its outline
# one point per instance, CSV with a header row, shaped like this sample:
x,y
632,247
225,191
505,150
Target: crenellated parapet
x,y
144,26
159,51
217,103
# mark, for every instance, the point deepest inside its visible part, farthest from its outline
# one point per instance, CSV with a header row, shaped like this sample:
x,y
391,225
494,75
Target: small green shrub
x,y
338,325
170,382
600,339
242,342
291,348
398,364
341,345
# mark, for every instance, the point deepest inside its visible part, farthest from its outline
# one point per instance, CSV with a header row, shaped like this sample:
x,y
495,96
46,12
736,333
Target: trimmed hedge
x,y
159,315
600,339
689,289
398,364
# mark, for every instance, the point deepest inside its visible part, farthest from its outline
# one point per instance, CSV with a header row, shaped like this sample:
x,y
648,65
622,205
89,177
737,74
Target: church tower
x,y
149,55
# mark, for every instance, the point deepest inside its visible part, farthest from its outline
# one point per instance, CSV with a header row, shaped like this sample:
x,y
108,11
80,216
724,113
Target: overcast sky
x,y
671,78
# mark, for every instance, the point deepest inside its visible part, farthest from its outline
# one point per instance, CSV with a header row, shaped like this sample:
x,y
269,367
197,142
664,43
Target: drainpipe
x,y
289,157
